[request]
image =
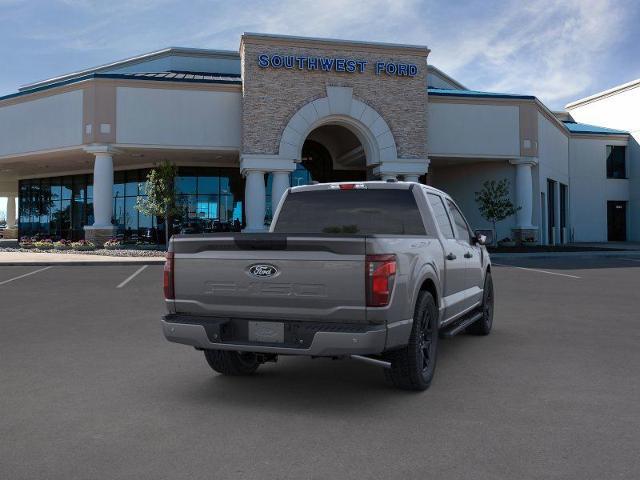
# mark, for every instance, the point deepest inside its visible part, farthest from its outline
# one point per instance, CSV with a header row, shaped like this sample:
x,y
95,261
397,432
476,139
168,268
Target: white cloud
x,y
545,48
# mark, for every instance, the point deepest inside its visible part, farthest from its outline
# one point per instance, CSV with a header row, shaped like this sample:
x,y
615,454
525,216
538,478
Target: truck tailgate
x,y
271,276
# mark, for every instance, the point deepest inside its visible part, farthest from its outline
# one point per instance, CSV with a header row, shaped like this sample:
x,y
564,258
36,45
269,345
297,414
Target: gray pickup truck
x,y
375,271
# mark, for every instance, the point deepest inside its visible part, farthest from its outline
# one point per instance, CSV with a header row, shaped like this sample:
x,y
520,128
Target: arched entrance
x,y
330,139
330,153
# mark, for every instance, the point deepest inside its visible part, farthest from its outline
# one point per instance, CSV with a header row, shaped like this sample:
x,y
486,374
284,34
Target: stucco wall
x,y
45,123
590,189
463,180
468,129
271,96
193,118
620,111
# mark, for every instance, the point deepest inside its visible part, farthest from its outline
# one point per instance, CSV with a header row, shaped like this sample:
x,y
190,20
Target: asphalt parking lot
x,y
89,388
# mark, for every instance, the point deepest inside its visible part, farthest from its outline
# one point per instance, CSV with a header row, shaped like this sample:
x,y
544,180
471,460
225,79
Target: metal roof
x,y
475,93
585,128
135,60
186,77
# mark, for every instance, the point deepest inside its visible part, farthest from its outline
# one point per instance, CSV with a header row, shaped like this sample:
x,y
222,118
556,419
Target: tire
x,y
413,367
483,326
232,363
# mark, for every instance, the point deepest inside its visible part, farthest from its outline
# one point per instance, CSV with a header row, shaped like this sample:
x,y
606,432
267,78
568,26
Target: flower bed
x,y
83,245
62,245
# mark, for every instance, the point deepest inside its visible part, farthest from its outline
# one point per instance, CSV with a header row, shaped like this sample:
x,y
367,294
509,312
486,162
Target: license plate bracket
x,y
266,332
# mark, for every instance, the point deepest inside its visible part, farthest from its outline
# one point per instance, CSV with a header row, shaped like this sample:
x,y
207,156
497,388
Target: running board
x,y
459,327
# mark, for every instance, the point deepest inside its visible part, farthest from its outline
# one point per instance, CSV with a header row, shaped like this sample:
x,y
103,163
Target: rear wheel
x,y
232,363
483,326
413,367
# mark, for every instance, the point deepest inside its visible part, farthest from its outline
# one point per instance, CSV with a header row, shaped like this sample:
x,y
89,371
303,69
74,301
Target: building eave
x,y
115,76
605,93
420,50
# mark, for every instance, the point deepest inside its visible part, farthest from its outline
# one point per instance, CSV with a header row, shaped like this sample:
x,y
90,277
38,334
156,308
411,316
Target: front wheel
x,y
232,363
413,367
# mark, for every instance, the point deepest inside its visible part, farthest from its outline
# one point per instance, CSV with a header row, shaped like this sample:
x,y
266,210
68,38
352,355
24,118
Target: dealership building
x,y
244,126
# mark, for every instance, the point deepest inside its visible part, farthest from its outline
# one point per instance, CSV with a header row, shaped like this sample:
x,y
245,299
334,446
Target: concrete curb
x,y
82,263
595,253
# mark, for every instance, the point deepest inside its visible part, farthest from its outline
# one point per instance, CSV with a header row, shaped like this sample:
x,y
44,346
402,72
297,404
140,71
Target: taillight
x,y
169,292
380,277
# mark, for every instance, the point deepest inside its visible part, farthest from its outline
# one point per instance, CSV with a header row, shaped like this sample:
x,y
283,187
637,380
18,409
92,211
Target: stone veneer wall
x,y
271,96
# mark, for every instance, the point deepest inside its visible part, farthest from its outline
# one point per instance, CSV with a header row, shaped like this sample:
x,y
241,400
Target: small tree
x,y
494,202
160,191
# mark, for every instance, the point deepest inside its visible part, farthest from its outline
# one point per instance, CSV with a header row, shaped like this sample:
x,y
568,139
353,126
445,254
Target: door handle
x,y
451,256
468,255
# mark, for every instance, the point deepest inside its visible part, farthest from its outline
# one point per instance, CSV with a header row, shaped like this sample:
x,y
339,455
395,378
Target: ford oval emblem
x,y
263,270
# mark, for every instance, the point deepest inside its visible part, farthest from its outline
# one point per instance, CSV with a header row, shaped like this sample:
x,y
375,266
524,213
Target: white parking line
x,y
131,277
25,275
536,270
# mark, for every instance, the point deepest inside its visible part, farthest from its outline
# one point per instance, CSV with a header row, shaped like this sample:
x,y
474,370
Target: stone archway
x,y
340,108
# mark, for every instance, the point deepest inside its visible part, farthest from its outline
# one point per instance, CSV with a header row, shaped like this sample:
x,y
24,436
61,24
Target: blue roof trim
x,y
226,80
585,128
444,92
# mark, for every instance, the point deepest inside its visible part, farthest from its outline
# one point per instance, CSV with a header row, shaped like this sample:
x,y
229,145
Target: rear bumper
x,y
369,339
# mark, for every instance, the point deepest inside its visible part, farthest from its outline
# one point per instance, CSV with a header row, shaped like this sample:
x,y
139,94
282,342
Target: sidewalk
x,y
593,253
32,258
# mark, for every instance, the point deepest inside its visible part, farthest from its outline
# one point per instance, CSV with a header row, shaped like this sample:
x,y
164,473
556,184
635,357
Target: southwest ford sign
x,y
334,64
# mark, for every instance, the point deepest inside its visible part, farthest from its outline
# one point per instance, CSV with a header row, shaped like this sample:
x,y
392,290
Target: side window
x,y
441,216
462,229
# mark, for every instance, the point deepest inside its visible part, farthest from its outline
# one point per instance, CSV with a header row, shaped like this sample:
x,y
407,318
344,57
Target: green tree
x,y
161,198
494,202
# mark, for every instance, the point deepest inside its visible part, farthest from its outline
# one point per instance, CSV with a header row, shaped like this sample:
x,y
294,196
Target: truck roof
x,y
374,184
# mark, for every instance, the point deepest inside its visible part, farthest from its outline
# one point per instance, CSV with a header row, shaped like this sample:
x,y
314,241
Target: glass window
x,y
118,213
118,184
67,188
462,230
363,212
208,185
616,164
130,214
440,215
131,184
79,187
186,184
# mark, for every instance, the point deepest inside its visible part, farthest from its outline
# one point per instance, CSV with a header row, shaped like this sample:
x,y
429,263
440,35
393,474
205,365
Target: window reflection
x,y
211,200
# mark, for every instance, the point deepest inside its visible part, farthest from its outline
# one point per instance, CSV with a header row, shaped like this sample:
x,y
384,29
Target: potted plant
x,y
83,245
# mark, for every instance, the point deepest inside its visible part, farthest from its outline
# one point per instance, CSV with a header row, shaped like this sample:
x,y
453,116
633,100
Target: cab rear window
x,y
351,212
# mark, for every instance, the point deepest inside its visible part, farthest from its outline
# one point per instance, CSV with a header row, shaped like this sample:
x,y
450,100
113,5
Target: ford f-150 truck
x,y
375,271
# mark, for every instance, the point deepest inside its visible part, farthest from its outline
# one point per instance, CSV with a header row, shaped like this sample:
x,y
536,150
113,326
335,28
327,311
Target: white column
x,y
524,193
279,185
103,189
411,178
11,212
254,200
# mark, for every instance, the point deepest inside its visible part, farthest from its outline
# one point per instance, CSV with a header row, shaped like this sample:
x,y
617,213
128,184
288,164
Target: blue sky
x,y
557,50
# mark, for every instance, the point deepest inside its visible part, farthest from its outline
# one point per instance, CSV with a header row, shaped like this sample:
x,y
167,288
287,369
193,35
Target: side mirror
x,y
479,238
